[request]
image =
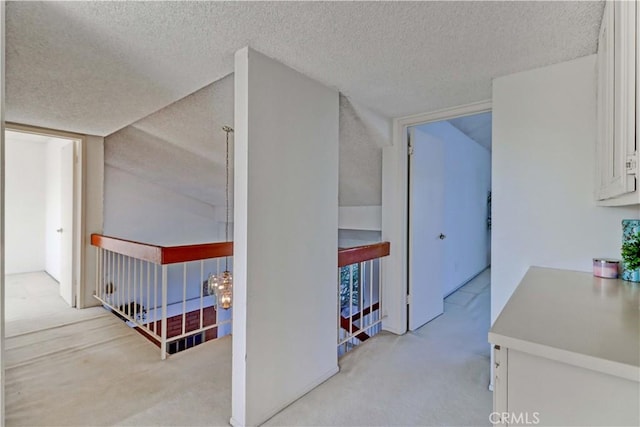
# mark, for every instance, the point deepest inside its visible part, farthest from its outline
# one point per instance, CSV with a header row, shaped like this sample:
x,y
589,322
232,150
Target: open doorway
x,y
449,214
41,230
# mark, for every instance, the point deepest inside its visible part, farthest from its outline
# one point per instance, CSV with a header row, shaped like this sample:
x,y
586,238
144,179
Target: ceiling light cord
x,y
228,130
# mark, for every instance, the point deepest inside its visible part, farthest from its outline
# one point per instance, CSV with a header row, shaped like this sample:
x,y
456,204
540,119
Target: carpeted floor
x,y
93,370
33,302
435,376
67,367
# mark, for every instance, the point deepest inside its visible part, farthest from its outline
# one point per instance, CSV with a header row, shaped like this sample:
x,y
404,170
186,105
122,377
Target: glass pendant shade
x,y
221,285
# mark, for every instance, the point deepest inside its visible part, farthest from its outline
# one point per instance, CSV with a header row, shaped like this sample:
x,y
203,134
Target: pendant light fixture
x,y
222,284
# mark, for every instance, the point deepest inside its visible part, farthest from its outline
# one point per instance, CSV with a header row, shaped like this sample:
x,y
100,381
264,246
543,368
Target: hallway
x,y
438,375
86,367
33,302
95,371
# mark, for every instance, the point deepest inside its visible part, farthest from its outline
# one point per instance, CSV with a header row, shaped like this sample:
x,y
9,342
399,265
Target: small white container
x,y
606,268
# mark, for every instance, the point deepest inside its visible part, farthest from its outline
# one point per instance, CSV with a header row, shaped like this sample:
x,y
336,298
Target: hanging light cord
x,y
228,130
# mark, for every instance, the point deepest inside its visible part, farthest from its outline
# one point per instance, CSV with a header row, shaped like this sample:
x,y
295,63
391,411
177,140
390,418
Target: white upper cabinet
x,y
616,148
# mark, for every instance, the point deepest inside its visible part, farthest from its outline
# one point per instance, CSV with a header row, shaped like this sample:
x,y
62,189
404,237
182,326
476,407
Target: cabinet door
x,y
616,101
500,378
624,141
604,144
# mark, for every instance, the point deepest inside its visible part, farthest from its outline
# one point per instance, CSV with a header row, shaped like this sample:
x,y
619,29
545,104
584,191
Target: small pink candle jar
x,y
606,268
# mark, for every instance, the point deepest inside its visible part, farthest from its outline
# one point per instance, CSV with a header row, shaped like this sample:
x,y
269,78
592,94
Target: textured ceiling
x,y
360,170
476,127
95,67
182,146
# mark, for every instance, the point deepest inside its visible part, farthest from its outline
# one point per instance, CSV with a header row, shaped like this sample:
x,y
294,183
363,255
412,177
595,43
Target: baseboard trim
x,y
395,331
464,282
322,378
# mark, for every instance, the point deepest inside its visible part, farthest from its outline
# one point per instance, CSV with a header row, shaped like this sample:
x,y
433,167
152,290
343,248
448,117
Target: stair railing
x,y
360,294
162,291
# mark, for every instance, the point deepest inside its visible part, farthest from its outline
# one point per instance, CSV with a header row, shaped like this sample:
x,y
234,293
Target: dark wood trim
x,y
357,254
148,336
186,253
130,248
344,324
163,254
366,311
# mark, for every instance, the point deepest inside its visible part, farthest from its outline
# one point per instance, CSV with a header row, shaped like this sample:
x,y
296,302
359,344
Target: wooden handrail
x,y
163,254
143,251
348,256
174,254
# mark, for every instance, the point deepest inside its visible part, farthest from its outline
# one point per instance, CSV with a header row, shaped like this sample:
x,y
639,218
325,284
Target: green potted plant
x,y
631,257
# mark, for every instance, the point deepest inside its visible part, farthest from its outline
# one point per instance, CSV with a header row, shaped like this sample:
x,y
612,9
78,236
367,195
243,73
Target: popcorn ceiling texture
x,y
96,67
182,148
360,163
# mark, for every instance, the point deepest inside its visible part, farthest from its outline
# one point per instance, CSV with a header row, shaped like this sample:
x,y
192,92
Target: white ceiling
x,y
476,127
182,146
95,67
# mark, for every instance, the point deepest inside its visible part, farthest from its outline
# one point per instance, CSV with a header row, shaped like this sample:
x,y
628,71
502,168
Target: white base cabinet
x,y
533,390
566,352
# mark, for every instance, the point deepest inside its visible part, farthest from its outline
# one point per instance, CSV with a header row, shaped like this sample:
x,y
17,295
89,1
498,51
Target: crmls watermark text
x,y
521,418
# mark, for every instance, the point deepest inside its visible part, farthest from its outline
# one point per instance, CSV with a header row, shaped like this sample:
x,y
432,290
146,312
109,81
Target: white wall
x,y
543,173
467,181
140,210
363,134
360,218
348,238
3,206
143,211
286,226
53,220
93,200
25,198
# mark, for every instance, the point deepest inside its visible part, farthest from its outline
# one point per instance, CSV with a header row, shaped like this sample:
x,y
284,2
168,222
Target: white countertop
x,y
574,318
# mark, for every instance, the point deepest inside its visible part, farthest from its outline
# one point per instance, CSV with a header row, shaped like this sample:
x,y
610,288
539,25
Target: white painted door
x,y
66,226
426,233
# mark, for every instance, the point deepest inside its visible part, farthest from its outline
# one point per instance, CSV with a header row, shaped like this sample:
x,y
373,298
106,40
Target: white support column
x,y
286,236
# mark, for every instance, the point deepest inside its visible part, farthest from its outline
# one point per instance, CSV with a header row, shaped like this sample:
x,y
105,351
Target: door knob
x,y
59,230
442,236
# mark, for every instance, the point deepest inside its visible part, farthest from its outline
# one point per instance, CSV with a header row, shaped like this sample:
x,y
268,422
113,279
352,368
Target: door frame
x,y
395,210
78,231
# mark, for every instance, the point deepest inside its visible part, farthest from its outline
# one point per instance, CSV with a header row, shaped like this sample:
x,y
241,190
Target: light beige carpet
x,y
436,376
100,372
33,302
68,367
96,371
